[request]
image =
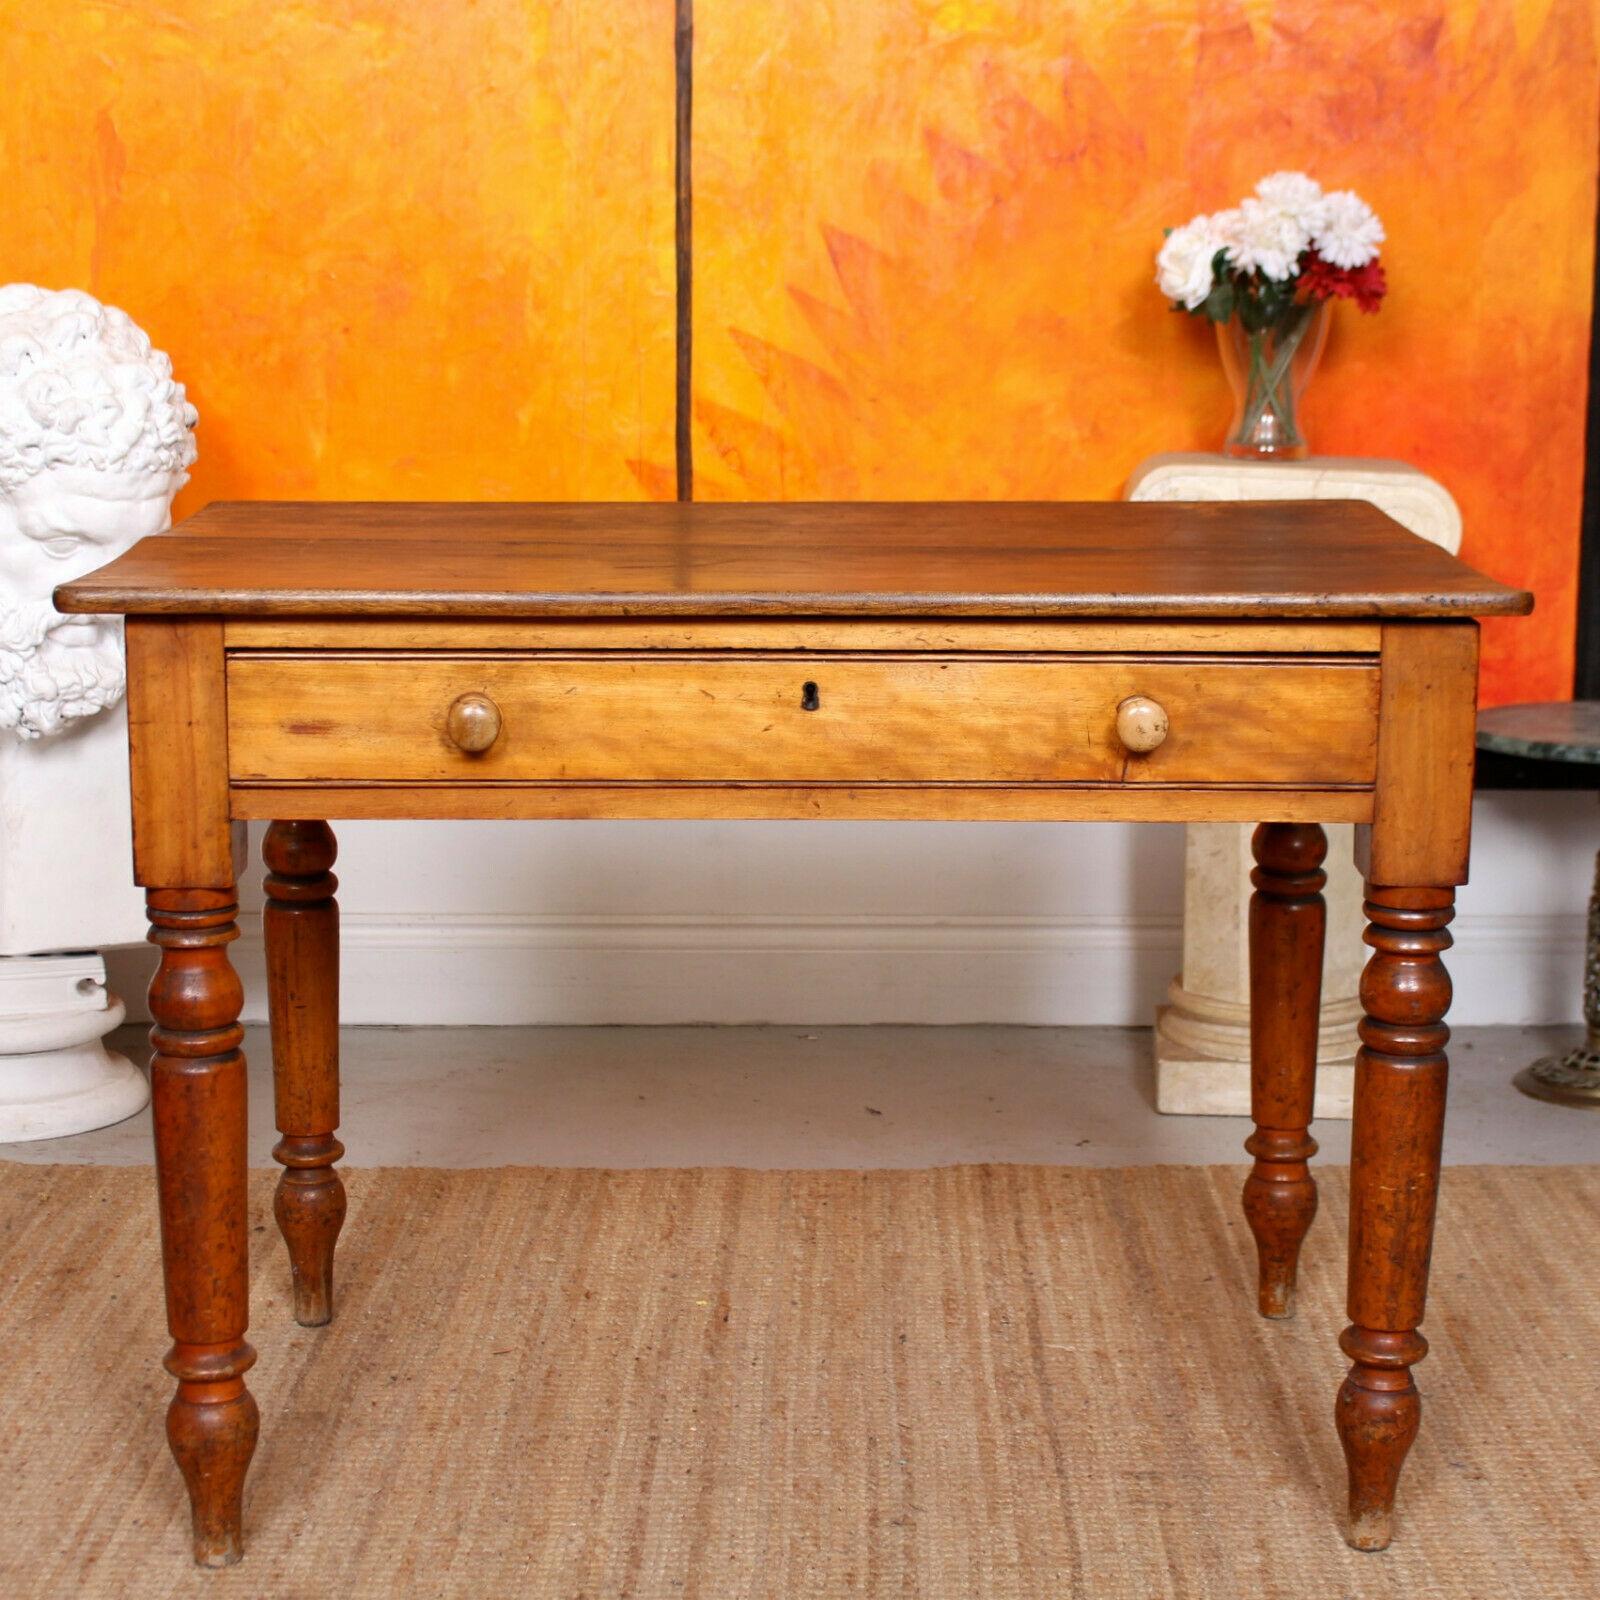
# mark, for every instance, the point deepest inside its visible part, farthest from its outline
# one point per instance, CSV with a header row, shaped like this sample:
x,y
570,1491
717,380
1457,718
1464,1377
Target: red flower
x,y
1369,285
1321,280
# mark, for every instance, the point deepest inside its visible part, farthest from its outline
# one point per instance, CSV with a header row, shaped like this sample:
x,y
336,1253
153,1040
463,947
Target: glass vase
x,y
1268,369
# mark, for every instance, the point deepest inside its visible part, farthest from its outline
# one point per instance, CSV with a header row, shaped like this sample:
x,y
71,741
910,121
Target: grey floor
x,y
824,1097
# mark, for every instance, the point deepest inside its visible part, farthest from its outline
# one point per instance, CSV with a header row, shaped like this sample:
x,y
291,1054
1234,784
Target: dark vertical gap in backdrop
x,y
683,55
1586,680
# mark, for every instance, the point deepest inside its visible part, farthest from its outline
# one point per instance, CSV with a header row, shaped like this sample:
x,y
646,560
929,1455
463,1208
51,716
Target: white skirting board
x,y
465,968
463,923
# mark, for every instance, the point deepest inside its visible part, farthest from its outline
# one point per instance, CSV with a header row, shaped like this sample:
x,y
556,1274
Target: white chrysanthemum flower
x,y
1183,264
1294,195
1260,238
1349,233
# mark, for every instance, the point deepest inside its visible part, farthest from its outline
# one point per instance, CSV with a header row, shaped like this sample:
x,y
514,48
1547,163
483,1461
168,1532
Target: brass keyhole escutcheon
x,y
809,699
1141,723
472,723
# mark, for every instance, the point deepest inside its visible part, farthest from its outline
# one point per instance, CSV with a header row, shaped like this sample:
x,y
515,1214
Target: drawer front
x,y
857,720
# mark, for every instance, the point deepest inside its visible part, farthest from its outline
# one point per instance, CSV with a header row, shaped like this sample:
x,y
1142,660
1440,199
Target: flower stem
x,y
1266,384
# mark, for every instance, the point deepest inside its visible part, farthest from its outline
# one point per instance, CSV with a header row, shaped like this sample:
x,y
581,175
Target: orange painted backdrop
x,y
426,250
417,250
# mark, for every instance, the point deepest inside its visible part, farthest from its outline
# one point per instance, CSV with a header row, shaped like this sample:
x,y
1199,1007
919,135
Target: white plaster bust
x,y
95,440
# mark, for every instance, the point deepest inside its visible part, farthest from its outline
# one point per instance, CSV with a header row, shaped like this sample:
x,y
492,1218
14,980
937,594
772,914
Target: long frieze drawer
x,y
769,719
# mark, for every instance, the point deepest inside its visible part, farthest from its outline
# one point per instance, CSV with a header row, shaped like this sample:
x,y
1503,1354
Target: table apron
x,y
956,802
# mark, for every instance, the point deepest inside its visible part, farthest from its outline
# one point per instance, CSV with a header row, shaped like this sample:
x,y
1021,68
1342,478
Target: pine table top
x,y
1335,559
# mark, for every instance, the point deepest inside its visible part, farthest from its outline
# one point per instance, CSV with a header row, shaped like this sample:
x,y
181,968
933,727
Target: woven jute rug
x,y
969,1382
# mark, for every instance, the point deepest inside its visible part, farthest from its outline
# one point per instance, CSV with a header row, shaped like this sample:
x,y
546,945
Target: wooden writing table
x,y
1287,664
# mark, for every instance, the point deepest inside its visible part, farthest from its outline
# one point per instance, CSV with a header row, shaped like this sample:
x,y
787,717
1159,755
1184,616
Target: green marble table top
x,y
1557,730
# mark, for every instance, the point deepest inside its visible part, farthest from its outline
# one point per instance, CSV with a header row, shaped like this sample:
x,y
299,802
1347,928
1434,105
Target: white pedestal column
x,y
56,1075
1203,1032
66,884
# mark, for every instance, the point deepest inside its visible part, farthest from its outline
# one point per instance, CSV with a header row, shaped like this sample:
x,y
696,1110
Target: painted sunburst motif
x,y
924,242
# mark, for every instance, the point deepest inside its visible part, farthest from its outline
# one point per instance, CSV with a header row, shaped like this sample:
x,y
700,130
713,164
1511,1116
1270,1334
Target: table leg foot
x,y
211,1427
1288,920
1280,1201
1377,1413
1396,1141
310,1206
301,926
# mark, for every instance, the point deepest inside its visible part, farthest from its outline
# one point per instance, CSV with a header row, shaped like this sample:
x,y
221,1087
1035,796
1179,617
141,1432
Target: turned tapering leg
x,y
301,926
1287,922
1401,1070
197,1092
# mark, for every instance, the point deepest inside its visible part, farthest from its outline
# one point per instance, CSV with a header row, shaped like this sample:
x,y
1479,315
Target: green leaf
x,y
1218,305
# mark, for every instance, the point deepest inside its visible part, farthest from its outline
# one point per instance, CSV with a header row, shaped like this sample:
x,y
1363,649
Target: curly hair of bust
x,y
81,385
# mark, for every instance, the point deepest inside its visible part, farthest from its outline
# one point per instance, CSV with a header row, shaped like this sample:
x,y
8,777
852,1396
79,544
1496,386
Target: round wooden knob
x,y
1141,723
473,723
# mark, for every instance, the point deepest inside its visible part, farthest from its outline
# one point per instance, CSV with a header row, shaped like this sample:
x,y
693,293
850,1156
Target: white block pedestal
x,y
1203,1033
56,1075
